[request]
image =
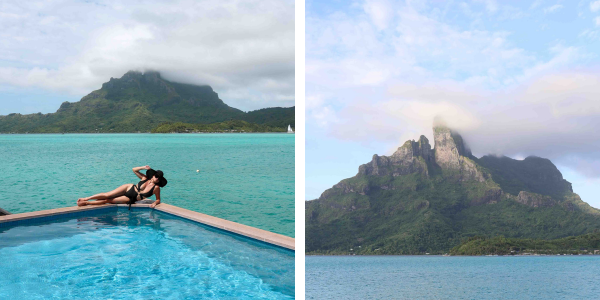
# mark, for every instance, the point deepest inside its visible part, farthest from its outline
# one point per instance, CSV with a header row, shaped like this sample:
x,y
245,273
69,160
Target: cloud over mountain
x,y
381,71
243,48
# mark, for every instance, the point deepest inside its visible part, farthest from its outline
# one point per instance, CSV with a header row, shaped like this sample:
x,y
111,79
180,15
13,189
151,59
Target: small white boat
x,y
290,129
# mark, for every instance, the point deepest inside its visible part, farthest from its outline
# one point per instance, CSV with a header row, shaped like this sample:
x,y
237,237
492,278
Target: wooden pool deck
x,y
237,228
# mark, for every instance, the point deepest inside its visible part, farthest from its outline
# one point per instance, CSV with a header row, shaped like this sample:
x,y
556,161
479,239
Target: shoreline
x,y
53,133
445,255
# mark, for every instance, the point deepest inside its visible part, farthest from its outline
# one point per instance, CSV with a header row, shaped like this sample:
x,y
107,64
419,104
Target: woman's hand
x,y
154,204
141,168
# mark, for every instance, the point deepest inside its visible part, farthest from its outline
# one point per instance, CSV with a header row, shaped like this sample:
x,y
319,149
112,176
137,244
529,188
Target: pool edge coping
x,y
230,226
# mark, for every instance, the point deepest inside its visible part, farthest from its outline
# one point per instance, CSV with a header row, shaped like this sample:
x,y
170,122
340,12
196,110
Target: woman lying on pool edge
x,y
149,184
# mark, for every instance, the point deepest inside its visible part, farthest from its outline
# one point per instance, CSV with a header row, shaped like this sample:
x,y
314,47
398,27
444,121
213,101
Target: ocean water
x,y
438,277
138,254
245,178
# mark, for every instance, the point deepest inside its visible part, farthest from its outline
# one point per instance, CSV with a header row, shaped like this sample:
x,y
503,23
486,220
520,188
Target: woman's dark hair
x,y
162,181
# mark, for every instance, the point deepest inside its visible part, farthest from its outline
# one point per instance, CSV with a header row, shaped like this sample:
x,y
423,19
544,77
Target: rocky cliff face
x,y
412,157
535,200
451,153
448,151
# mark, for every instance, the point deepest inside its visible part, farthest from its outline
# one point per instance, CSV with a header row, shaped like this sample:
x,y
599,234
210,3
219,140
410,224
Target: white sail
x,y
290,129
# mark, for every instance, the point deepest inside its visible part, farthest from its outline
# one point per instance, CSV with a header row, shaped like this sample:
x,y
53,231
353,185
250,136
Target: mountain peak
x,y
420,148
136,82
138,102
532,174
133,77
449,147
451,153
420,201
410,158
134,73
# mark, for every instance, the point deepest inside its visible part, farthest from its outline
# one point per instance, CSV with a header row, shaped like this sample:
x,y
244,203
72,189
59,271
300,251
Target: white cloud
x,y
554,116
562,58
244,49
565,95
314,101
490,5
553,8
345,50
324,116
597,21
595,6
536,4
590,34
380,11
410,107
385,84
453,52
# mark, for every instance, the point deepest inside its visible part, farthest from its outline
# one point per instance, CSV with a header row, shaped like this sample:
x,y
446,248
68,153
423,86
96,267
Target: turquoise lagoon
x,y
245,178
438,277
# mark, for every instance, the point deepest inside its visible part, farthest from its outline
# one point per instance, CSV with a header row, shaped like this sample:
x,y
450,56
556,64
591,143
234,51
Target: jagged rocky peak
x,y
449,147
137,74
410,149
451,153
409,158
132,78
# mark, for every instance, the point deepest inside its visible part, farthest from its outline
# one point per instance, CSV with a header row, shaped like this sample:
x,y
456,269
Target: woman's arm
x,y
137,173
157,193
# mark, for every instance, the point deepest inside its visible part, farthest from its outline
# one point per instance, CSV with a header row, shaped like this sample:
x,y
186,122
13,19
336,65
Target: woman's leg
x,y
97,202
117,200
112,194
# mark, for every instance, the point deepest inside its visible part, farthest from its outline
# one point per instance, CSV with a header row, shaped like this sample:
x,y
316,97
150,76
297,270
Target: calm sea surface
x,y
437,277
245,178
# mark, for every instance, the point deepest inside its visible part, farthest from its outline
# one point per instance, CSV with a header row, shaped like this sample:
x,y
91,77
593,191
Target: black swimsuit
x,y
132,193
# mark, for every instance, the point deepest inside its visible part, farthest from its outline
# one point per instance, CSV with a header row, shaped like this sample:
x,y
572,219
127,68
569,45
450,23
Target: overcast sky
x,y
516,78
55,51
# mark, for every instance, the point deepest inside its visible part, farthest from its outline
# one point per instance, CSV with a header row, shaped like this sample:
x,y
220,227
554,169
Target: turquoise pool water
x,y
245,178
437,277
142,254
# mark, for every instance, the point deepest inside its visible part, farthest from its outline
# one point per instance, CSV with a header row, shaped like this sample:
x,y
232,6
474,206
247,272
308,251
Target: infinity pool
x,y
139,254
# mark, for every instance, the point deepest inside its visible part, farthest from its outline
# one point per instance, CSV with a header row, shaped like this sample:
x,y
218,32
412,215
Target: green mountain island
x,y
421,200
143,102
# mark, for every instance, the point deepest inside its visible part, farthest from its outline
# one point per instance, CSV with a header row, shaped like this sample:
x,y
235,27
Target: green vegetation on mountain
x,y
533,174
279,117
227,126
423,200
140,102
582,244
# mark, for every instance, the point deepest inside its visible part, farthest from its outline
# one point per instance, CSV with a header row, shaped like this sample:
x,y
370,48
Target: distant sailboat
x,y
290,129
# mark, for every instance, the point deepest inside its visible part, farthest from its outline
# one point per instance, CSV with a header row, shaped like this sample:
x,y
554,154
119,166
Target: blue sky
x,y
516,78
60,50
